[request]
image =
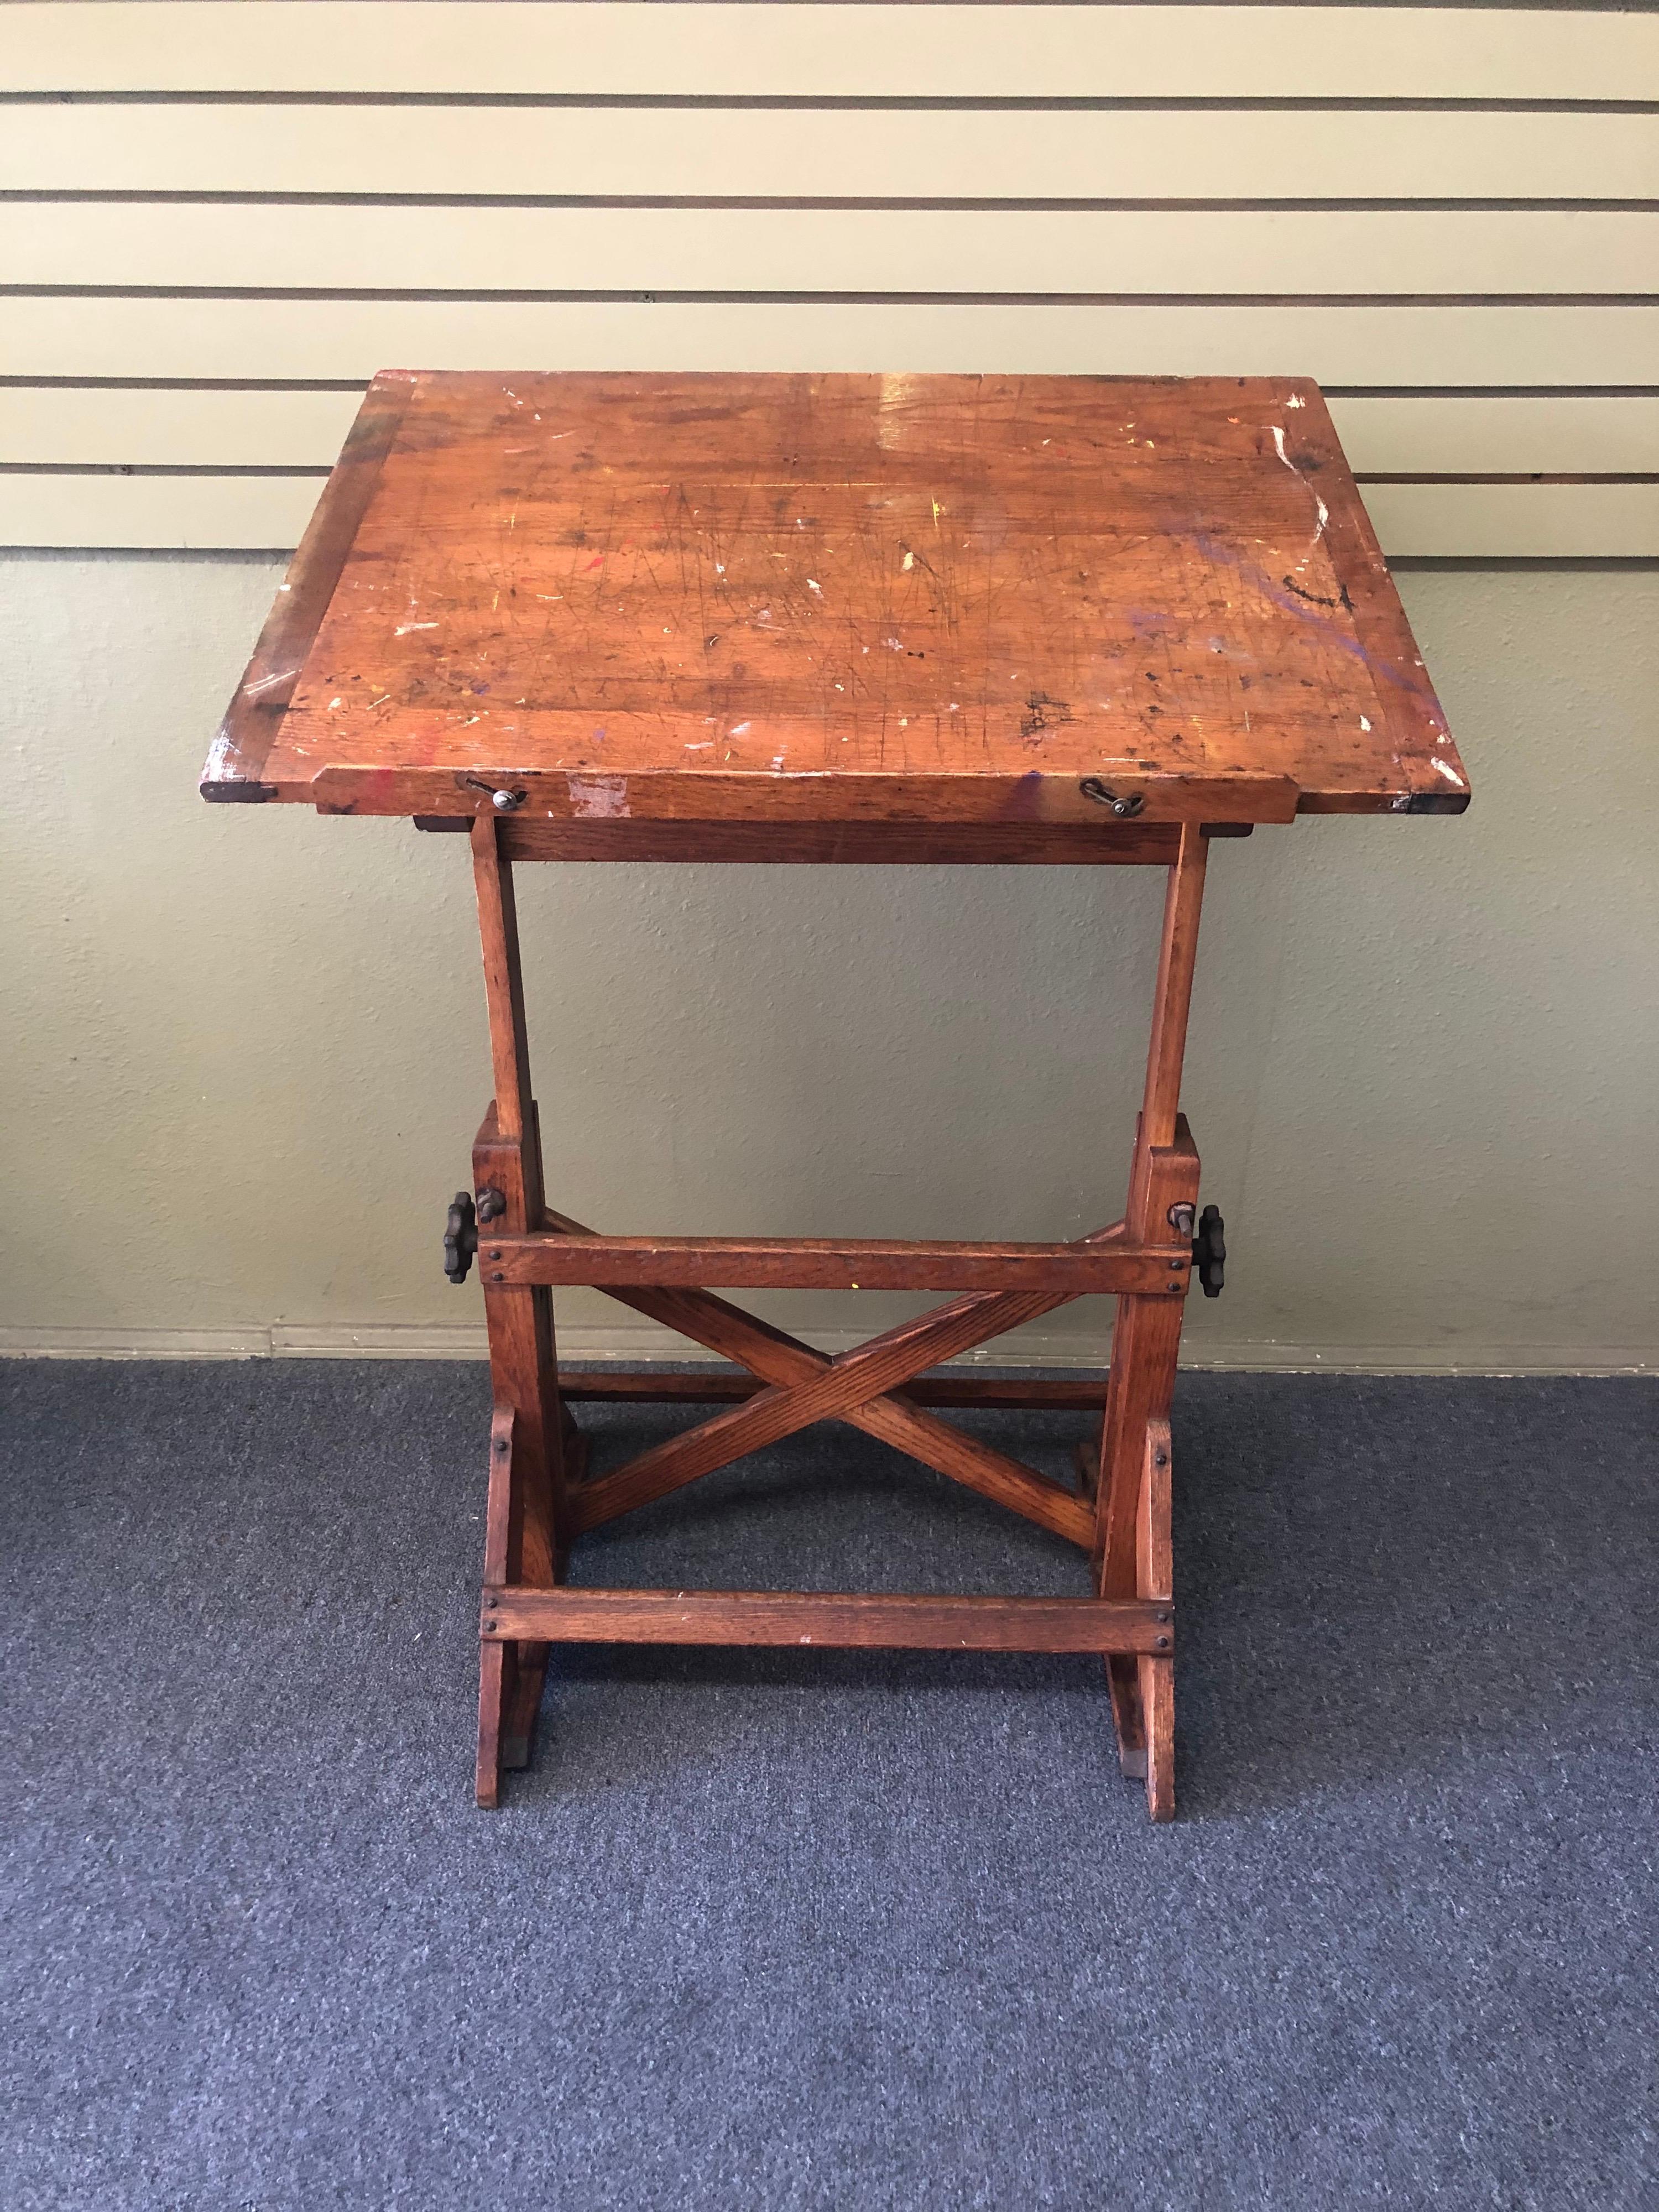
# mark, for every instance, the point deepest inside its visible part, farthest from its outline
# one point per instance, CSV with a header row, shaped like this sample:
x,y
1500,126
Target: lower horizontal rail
x,y
680,1386
833,1620
879,1263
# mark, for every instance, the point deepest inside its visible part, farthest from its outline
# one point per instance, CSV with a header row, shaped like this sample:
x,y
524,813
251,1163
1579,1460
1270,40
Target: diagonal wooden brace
x,y
837,1389
778,1358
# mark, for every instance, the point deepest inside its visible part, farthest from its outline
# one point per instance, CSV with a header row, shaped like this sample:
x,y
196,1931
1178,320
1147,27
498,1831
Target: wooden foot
x,y
1128,1718
1154,1578
510,1674
520,1710
493,1660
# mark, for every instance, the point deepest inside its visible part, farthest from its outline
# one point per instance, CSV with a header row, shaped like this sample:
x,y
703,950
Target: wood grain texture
x,y
209,513
688,1387
1097,1266
1171,1001
774,1357
854,844
829,51
1505,433
1154,1579
791,599
839,1389
830,1620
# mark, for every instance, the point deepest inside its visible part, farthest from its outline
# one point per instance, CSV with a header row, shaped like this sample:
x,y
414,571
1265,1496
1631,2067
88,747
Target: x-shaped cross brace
x,y
861,1386
539,1500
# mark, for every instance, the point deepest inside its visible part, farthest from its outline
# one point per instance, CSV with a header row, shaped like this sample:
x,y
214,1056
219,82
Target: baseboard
x,y
584,1348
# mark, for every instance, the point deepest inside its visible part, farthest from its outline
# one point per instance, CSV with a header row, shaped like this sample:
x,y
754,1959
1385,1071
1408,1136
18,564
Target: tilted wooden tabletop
x,y
943,599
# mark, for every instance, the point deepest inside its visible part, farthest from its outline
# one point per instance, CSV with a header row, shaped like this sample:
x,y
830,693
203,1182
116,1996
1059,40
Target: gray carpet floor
x,y
785,1930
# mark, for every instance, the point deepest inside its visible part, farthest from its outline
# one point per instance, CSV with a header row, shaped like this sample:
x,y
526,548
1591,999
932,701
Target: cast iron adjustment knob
x,y
460,1236
1209,1252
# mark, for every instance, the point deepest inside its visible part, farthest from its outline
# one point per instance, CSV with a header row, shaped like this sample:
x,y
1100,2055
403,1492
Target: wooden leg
x,y
527,1534
1146,1343
497,1662
1155,1577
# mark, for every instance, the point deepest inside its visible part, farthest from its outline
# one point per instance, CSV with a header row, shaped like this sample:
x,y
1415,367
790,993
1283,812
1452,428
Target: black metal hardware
x,y
460,1236
504,802
1180,1218
1210,1251
1125,804
491,1203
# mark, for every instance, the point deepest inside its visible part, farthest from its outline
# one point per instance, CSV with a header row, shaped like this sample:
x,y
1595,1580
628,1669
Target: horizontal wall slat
x,y
1516,521
233,514
306,430
772,153
802,250
349,339
565,46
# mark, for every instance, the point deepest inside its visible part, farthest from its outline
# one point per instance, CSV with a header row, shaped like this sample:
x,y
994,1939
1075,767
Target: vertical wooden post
x,y
1172,995
1146,1337
526,1530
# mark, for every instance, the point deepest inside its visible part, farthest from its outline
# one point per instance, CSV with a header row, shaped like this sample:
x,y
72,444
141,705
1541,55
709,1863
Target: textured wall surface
x,y
232,212
247,1054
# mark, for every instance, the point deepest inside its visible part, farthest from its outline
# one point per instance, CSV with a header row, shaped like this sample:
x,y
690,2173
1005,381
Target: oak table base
x,y
540,1498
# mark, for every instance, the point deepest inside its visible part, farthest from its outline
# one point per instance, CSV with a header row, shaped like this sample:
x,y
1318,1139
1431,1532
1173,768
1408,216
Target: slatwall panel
x,y
222,218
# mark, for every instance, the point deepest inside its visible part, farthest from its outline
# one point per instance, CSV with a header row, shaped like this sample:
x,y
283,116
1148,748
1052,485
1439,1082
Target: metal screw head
x,y
1124,805
1161,1642
505,802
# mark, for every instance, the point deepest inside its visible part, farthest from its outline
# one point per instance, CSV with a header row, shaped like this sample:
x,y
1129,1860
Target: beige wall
x,y
246,1055
247,1049
240,210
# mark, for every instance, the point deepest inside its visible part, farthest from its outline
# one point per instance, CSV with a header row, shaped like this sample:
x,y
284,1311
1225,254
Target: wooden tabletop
x,y
902,598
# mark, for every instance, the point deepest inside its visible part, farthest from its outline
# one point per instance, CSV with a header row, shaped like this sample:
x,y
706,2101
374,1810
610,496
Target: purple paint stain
x,y
1406,680
1026,798
599,737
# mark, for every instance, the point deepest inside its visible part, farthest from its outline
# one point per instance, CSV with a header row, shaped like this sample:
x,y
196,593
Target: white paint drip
x,y
598,798
1296,400
264,683
403,629
221,754
1451,774
1324,513
1364,721
740,729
